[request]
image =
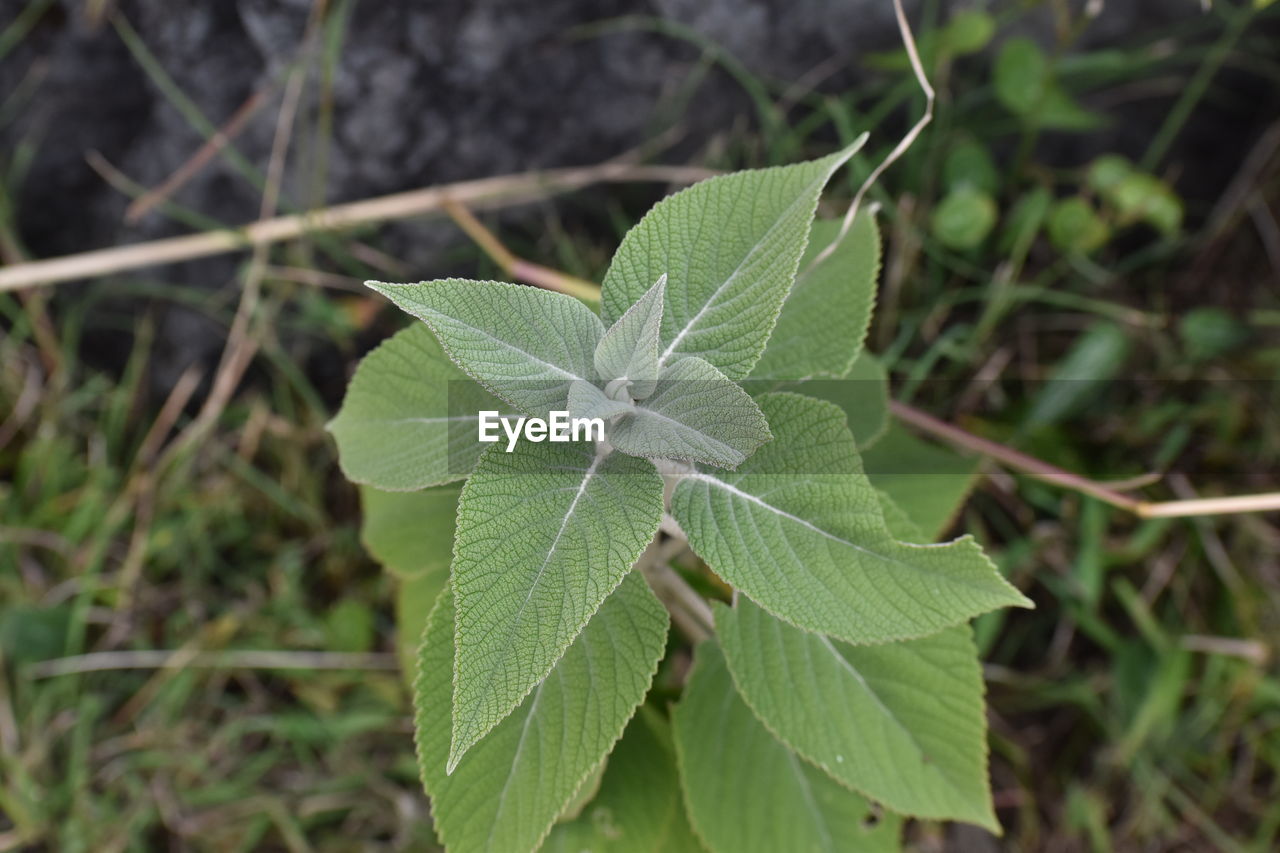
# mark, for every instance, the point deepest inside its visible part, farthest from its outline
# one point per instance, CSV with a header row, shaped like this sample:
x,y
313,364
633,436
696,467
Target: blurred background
x,y
1082,260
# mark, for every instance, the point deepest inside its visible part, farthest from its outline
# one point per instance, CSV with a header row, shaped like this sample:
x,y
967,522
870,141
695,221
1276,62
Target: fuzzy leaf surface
x,y
586,400
910,731
799,529
509,789
638,808
522,343
629,350
730,246
696,414
825,318
747,792
545,533
409,418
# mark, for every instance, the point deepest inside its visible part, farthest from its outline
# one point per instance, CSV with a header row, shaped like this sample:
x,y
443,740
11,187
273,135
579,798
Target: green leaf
x,y
415,598
1021,75
1059,111
825,318
696,414
586,400
1024,222
629,350
512,785
910,730
863,395
1210,332
729,247
1074,226
545,533
799,529
524,344
968,31
1095,359
638,807
410,533
928,482
964,218
746,791
969,164
409,418
901,526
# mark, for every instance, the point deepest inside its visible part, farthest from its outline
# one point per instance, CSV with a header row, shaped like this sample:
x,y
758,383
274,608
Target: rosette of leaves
x,y
839,691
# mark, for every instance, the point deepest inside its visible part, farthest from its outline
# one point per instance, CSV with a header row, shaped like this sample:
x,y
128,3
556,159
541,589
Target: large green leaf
x,y
929,482
545,533
410,533
824,320
415,596
524,344
638,807
629,350
863,395
512,785
729,247
409,418
696,414
798,527
746,791
901,723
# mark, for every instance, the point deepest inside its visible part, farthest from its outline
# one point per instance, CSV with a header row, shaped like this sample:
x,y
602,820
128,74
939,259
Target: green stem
x,y
1195,90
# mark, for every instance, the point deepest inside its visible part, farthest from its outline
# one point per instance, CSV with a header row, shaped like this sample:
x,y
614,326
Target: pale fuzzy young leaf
x,y
747,792
410,533
927,481
409,418
729,246
638,808
695,414
545,533
910,731
629,350
524,344
799,529
586,400
512,785
825,318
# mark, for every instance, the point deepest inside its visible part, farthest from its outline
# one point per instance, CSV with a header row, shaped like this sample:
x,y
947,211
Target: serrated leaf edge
x,y
431,802
381,286
993,825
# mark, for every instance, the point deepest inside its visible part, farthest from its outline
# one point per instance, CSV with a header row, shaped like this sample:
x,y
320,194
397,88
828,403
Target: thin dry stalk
x,y
503,190
239,120
515,266
188,659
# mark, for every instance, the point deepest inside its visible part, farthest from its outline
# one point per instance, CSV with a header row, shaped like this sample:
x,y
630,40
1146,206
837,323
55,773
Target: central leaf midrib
x,y
733,490
755,248
551,550
507,344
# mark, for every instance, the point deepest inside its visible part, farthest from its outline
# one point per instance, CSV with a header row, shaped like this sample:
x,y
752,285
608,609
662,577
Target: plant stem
x,y
1043,471
1191,95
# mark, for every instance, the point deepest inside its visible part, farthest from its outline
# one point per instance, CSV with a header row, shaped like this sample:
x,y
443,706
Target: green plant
x,y
842,672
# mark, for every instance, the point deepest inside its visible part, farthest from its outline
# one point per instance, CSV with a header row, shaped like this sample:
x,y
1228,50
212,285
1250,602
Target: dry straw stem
x,y
182,659
1007,456
484,192
954,435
